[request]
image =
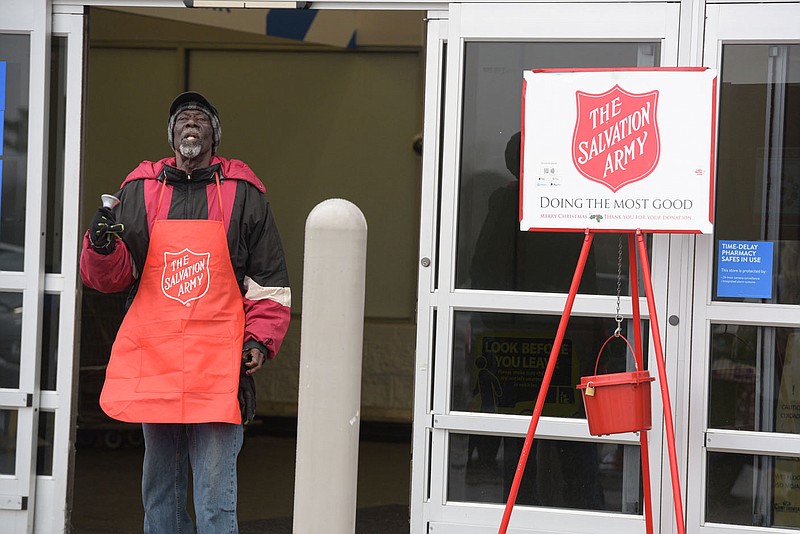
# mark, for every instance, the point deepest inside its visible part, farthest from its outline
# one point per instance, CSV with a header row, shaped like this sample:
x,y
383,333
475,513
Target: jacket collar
x,y
174,175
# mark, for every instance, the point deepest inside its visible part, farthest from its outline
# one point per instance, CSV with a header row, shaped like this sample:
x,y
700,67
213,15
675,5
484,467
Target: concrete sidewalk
x,y
388,519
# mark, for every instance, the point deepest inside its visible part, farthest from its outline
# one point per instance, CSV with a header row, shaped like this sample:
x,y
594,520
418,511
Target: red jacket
x,y
255,247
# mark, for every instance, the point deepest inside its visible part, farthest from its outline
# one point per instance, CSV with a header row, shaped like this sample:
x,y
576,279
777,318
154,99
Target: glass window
x,y
55,158
44,450
758,191
755,378
499,361
8,442
753,490
492,253
14,83
563,474
10,338
50,315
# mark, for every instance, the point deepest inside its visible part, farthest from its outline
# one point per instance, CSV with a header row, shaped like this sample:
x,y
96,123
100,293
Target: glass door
x,y
745,419
40,101
491,297
25,41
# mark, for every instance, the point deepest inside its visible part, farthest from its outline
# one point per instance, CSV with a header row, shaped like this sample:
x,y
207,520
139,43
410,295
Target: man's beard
x,y
190,149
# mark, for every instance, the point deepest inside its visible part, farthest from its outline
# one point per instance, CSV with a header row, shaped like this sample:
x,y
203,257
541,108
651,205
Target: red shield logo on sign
x,y
616,140
186,275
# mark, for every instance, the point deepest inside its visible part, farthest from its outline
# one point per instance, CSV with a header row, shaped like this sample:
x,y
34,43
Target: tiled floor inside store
x,y
107,482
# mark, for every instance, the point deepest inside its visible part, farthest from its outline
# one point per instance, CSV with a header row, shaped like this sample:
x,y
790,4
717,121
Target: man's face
x,y
193,133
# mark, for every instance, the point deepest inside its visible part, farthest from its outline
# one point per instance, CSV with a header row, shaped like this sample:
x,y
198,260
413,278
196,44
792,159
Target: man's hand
x,y
247,396
253,360
103,230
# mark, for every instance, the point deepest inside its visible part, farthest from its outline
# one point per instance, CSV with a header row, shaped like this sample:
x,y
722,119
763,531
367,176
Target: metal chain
x,y
618,317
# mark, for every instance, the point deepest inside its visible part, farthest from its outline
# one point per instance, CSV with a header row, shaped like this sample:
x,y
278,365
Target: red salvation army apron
x,y
177,355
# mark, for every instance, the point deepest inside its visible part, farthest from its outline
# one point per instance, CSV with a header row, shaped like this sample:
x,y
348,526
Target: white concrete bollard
x,y
331,343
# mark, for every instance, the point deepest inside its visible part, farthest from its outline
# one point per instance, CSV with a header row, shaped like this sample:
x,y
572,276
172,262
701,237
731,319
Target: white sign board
x,y
618,150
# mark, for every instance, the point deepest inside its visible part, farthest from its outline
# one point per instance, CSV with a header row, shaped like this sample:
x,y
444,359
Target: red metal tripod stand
x,y
635,241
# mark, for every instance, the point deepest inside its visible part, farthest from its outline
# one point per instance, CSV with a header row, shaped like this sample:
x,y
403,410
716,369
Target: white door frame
x,y
51,512
436,40
17,491
438,300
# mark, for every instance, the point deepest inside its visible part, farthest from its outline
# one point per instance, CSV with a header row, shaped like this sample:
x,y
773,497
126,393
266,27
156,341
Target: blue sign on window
x,y
2,103
744,269
2,121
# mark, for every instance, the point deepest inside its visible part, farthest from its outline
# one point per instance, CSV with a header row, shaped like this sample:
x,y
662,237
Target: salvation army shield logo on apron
x,y
186,275
616,140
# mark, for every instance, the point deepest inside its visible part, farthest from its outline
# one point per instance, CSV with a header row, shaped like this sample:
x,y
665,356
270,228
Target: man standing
x,y
194,240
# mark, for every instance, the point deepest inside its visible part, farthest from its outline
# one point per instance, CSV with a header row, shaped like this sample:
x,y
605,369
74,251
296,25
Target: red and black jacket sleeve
x,y
260,266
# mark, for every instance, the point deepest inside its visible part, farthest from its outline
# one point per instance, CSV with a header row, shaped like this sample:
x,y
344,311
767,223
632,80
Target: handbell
x,y
109,201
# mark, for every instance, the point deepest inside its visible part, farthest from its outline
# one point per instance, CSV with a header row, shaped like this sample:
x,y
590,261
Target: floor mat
x,y
389,519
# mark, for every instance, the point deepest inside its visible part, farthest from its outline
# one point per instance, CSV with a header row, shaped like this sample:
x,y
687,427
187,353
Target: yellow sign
x,y
509,370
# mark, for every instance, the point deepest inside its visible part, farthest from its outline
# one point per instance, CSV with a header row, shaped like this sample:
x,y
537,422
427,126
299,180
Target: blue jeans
x,y
211,450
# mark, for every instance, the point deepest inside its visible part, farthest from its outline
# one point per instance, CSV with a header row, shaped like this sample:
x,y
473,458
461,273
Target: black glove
x,y
103,231
247,395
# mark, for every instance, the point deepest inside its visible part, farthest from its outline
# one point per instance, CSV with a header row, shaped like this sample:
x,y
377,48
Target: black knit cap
x,y
194,100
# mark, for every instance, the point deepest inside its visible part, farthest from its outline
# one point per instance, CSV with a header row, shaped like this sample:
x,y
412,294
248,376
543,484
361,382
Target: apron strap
x,y
219,197
161,196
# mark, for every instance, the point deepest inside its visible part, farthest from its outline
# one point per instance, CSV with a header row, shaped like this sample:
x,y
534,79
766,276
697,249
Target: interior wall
x,y
318,125
313,124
